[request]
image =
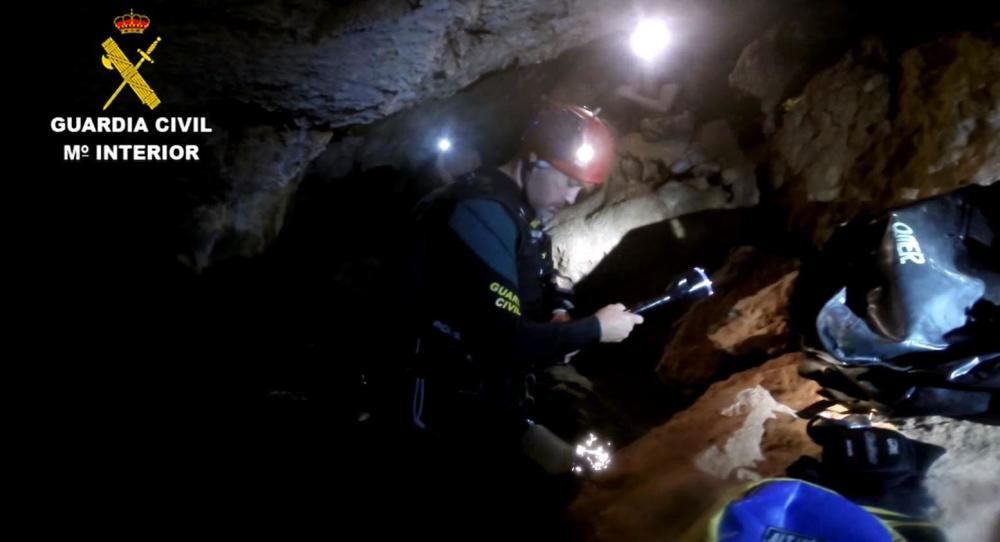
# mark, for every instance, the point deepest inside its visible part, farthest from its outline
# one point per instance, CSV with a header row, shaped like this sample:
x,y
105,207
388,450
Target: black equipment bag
x,y
902,311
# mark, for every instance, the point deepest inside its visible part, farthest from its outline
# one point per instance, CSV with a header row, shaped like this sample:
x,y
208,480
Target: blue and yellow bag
x,y
788,510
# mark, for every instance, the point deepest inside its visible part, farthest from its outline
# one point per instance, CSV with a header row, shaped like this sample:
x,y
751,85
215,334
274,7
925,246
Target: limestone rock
x,y
691,358
758,323
965,481
742,428
859,141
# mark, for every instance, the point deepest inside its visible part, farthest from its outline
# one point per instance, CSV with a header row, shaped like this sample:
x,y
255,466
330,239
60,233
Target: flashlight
x,y
694,284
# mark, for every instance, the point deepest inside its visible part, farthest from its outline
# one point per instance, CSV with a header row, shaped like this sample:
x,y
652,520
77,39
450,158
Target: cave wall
x,y
878,130
350,86
763,108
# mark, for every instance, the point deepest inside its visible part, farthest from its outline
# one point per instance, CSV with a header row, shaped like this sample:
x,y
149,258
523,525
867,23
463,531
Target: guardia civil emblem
x,y
115,59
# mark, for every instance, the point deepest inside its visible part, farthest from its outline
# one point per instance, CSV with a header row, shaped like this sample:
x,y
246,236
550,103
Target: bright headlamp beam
x,y
649,38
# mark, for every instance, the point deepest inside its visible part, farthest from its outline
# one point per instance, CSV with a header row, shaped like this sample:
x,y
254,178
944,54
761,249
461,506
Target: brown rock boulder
x,y
758,323
741,429
690,358
859,140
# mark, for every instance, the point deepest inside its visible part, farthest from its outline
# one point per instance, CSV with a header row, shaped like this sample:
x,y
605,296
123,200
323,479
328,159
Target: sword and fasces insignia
x,y
115,59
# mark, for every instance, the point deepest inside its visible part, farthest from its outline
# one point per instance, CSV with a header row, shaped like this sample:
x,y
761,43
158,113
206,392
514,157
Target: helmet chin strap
x,y
531,165
528,167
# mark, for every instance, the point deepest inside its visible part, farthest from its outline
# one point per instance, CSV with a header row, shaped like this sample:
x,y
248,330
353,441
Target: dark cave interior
x,y
232,316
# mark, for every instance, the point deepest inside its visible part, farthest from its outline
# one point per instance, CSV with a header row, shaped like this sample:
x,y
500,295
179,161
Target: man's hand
x,y
560,316
616,323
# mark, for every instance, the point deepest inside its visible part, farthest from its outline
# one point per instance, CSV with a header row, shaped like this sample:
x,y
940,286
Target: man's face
x,y
548,190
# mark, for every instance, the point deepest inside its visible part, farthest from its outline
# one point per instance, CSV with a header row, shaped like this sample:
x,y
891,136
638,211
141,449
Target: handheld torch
x,y
693,284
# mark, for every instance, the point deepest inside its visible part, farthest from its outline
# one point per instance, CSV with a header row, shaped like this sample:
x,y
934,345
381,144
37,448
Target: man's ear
x,y
532,157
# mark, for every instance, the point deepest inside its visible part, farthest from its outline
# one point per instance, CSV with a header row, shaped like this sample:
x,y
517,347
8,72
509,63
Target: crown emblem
x,y
130,23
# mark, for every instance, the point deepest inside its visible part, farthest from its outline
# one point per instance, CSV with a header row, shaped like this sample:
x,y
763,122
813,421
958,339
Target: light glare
x,y
649,38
